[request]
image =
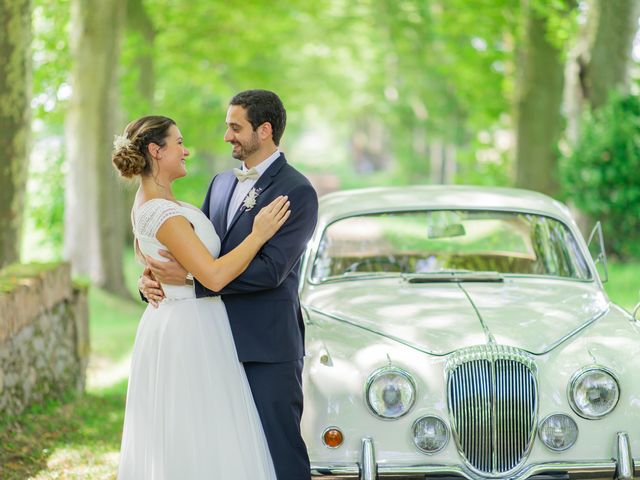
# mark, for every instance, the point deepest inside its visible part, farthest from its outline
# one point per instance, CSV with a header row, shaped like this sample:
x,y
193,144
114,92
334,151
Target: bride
x,y
190,413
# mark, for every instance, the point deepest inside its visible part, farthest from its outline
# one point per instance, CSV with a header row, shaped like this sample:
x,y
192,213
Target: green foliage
x,y
623,286
484,163
44,212
562,19
389,79
413,68
602,174
51,60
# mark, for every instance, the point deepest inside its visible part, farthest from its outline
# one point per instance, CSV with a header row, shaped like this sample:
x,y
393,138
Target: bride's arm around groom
x,y
262,303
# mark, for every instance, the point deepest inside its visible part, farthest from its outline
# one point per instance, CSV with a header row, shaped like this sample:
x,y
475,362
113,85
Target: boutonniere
x,y
250,200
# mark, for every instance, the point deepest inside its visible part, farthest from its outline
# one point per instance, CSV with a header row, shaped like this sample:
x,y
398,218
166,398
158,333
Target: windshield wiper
x,y
453,276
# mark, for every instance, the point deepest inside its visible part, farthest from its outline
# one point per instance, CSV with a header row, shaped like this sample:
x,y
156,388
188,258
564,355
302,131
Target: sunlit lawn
x,y
79,438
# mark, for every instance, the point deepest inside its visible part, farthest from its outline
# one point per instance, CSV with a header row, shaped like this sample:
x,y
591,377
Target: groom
x,y
262,303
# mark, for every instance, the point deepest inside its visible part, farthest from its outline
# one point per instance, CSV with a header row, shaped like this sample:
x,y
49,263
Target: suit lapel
x,y
219,203
261,185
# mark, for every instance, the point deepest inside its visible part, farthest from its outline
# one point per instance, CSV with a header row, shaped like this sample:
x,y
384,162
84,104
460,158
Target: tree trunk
x,y
538,114
141,38
94,230
600,61
610,55
140,24
15,121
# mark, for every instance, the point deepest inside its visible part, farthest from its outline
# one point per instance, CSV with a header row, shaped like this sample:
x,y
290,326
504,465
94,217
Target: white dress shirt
x,y
243,188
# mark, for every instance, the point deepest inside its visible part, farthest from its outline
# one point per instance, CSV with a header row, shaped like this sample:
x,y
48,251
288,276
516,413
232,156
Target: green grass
x,y
623,286
70,438
113,324
78,437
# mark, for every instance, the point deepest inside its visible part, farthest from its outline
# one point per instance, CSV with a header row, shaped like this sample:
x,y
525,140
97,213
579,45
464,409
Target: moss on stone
x,y
14,275
81,283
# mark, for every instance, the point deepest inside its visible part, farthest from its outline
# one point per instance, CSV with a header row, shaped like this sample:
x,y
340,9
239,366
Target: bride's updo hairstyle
x,y
130,153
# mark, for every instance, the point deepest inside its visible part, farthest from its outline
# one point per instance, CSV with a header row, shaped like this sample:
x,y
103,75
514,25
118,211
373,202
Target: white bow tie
x,y
251,174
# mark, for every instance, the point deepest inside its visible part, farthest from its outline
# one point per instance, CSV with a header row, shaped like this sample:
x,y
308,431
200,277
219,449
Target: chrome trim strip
x,y
368,466
577,330
625,460
339,470
490,338
591,469
355,323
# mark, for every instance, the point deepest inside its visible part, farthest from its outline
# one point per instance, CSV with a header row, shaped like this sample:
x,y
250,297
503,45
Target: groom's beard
x,y
244,150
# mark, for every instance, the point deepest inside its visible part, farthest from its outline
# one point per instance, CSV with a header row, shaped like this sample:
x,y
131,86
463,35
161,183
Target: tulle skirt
x,y
190,414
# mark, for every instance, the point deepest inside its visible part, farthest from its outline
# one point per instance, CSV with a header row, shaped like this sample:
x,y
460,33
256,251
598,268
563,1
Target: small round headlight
x,y
390,392
558,432
430,434
593,392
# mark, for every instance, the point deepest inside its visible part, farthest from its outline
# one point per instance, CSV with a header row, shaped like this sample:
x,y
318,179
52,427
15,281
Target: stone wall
x,y
44,335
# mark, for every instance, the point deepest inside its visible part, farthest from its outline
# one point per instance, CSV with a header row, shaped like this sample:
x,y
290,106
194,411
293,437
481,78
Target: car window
x,y
449,240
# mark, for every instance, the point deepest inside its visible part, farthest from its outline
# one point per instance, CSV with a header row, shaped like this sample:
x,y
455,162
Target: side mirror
x,y
600,257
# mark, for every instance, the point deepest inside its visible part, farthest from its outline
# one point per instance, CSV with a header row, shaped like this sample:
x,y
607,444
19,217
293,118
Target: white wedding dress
x,y
190,414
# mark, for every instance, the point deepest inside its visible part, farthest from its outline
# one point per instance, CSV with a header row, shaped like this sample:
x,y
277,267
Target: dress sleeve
x,y
152,214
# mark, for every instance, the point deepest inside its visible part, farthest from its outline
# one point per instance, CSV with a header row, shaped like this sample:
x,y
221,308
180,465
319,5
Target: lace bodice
x,y
148,218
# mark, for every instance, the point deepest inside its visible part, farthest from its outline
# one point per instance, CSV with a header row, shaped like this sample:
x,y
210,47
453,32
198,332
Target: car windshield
x,y
440,241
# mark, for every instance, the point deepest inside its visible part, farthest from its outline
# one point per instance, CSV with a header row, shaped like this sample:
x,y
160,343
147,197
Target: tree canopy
x,y
411,91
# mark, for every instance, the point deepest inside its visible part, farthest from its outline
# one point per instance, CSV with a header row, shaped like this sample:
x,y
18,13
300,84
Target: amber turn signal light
x,y
332,437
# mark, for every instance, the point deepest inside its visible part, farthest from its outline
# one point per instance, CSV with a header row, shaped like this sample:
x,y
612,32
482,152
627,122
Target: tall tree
x,y
538,106
15,121
600,60
94,231
608,65
141,41
137,81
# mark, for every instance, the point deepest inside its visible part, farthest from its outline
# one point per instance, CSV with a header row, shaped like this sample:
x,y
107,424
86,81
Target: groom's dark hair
x,y
263,106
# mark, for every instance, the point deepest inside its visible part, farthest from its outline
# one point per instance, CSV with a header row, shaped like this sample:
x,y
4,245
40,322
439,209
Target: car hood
x,y
528,313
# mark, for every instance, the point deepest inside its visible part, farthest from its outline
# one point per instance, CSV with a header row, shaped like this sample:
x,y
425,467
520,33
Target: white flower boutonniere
x,y
250,200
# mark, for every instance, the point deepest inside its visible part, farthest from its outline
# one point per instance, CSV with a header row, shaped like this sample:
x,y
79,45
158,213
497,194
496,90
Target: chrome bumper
x,y
623,467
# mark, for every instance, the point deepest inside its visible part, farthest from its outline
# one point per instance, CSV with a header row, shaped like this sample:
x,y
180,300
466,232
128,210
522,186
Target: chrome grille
x,y
493,404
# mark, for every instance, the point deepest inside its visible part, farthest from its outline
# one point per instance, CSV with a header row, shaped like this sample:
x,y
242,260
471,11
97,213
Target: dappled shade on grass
x,y
80,435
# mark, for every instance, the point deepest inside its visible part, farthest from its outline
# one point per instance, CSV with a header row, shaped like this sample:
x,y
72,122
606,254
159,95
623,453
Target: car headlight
x,y
558,432
593,392
390,392
430,434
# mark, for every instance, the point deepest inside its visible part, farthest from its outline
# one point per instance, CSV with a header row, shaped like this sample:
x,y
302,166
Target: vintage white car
x,y
463,332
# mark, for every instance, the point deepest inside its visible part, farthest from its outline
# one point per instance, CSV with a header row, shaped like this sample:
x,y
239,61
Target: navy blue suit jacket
x,y
262,303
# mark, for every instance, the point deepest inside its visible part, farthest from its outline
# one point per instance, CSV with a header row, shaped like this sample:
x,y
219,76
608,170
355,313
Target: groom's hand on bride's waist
x,y
150,288
169,271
